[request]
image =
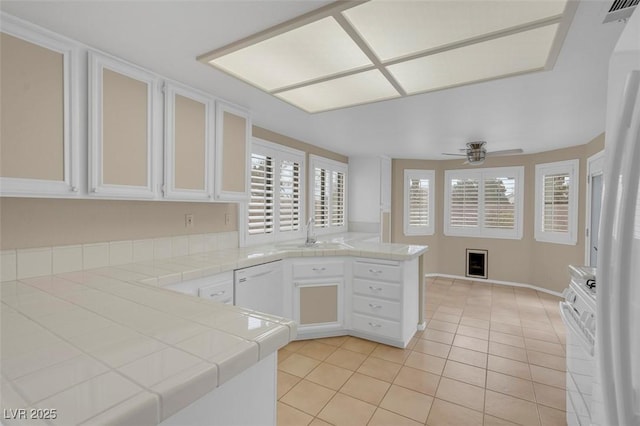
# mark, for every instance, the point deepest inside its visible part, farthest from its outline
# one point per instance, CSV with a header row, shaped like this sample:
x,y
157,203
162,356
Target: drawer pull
x,y
319,269
374,325
375,271
372,288
373,306
219,293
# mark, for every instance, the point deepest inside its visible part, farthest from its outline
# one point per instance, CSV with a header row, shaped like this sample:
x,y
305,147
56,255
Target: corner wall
x,y
525,261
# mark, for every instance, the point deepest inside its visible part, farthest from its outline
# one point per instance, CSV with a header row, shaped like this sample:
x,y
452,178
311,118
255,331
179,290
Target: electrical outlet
x,y
188,220
227,218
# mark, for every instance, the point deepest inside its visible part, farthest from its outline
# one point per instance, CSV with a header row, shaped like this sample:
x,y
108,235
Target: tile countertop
x,y
109,345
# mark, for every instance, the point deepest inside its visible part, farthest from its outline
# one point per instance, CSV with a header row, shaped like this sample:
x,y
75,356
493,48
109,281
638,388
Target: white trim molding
x,y
330,166
97,187
220,194
169,188
490,281
479,229
422,175
69,186
569,169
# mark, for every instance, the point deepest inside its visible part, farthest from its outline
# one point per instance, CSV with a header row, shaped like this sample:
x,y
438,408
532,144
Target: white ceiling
x,y
536,112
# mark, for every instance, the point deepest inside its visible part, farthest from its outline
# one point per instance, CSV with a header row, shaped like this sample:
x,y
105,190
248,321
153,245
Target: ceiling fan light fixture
x,y
476,152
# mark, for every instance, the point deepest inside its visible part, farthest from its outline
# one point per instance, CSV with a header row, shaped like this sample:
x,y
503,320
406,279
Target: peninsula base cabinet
x,y
318,296
227,404
373,299
385,300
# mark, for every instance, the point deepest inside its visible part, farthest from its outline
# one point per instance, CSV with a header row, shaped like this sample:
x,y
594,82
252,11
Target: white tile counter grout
x,y
107,343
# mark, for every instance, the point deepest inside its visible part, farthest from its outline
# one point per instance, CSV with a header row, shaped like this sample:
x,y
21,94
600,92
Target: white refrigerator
x,y
616,390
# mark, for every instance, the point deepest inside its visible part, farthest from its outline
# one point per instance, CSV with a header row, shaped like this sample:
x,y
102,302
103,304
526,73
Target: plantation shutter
x,y
337,199
320,197
464,203
261,205
418,205
556,202
499,202
290,196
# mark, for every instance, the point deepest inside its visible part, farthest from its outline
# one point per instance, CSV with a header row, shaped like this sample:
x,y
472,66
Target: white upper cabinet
x,y
188,144
122,128
39,113
233,152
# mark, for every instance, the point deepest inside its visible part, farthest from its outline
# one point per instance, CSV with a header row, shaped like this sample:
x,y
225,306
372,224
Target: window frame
x,y
480,231
278,153
332,166
430,176
572,168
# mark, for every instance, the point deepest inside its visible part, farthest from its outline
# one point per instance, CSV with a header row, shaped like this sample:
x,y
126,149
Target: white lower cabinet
x,y
317,296
370,298
385,300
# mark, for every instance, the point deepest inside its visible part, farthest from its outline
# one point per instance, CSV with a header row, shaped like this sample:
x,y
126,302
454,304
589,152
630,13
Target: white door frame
x,y
595,165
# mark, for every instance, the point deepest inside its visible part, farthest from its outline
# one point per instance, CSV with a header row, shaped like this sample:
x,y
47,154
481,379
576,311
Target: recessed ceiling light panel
x,y
351,52
395,29
355,89
517,53
319,49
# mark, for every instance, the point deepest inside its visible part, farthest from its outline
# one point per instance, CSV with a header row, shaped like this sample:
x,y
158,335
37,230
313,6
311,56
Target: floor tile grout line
x,y
412,349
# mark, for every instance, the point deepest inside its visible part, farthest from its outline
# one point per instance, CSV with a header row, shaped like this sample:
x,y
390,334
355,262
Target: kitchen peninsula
x,y
111,345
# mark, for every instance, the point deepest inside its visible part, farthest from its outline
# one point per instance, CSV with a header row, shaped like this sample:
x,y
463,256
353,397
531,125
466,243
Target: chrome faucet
x,y
311,237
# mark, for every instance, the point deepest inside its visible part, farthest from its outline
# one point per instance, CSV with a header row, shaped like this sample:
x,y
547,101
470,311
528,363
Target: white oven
x,y
578,313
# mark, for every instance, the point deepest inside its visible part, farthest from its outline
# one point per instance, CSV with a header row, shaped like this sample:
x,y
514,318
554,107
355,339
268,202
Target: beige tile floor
x,y
491,355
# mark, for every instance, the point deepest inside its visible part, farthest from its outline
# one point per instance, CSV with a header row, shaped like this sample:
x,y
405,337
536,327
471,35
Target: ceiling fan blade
x,y
506,152
456,155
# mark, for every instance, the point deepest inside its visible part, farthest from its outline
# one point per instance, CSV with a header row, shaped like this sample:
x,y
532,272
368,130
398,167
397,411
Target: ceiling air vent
x,y
620,10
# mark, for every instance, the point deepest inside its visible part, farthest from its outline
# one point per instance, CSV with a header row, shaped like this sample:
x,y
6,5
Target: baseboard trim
x,y
510,283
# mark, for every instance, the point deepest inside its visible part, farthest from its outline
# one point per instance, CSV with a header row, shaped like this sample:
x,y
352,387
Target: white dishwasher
x,y
260,288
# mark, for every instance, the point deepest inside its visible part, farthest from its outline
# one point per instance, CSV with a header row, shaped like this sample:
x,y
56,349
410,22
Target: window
x,y
275,208
556,198
328,194
484,202
418,202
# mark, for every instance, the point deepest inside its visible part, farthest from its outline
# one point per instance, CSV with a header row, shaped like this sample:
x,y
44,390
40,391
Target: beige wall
x,y
190,142
523,261
35,222
124,129
268,135
32,110
234,136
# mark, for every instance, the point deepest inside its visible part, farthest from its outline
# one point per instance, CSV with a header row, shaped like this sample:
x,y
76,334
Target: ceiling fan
x,y
476,152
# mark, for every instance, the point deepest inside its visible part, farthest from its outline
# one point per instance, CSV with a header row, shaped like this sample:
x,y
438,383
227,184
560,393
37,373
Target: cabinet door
x,y
318,304
122,125
233,152
38,154
188,144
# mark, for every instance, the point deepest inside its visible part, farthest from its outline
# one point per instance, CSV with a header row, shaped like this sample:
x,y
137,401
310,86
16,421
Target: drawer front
x,y
377,289
377,307
318,269
222,293
377,271
377,326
